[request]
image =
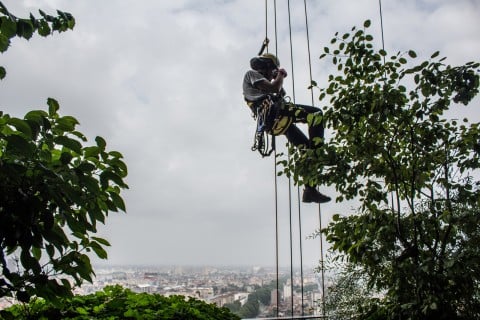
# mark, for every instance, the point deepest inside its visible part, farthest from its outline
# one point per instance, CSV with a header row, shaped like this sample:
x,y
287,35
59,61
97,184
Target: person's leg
x,y
295,136
300,112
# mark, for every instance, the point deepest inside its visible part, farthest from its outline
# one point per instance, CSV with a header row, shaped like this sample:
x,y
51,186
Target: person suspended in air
x,y
263,91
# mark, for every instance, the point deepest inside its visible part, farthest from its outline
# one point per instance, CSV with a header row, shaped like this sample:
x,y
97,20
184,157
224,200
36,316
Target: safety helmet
x,y
272,58
265,61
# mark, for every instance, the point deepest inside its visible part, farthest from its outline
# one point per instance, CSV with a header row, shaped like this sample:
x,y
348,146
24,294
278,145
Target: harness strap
x,y
261,111
271,120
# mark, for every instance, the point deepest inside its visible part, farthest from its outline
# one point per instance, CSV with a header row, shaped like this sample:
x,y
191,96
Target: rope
x,y
275,164
266,21
301,250
319,207
381,27
289,179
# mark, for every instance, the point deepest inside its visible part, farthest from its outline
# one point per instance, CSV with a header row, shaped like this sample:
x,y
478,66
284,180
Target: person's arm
x,y
272,86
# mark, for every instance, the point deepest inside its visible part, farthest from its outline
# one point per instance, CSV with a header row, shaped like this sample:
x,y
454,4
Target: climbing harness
x,y
272,119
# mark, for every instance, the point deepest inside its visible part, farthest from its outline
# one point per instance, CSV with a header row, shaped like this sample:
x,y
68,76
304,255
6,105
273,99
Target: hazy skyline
x,y
161,82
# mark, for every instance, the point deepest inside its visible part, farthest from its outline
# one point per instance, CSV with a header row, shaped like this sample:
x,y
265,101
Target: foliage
x,y
12,26
250,309
51,185
115,302
414,170
347,291
263,295
53,190
234,306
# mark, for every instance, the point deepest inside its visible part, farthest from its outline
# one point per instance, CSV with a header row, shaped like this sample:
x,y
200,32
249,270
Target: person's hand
x,y
282,72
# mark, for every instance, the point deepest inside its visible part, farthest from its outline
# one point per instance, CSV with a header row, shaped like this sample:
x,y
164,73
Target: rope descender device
x,y
264,46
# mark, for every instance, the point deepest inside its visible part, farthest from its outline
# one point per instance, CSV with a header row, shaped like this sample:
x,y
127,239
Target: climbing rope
x,y
266,42
322,269
289,178
264,47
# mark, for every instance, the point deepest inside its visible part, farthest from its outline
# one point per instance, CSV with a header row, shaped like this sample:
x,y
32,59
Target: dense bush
x,y
116,302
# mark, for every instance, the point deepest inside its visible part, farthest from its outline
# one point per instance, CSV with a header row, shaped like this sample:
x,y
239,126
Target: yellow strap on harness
x,y
280,124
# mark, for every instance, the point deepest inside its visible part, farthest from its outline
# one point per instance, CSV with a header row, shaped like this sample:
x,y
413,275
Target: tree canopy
x,y
414,170
115,302
12,26
53,189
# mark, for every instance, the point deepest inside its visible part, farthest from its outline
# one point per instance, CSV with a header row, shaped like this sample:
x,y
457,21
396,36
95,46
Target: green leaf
x,y
37,116
65,158
3,73
107,176
435,54
53,107
101,143
116,154
69,143
93,151
21,125
367,24
412,54
8,27
50,250
90,183
117,201
24,28
4,43
43,28
67,123
29,262
86,167
101,253
102,241
37,253
19,146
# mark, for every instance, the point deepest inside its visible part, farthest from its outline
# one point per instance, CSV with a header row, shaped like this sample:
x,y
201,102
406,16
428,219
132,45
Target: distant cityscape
x,y
219,285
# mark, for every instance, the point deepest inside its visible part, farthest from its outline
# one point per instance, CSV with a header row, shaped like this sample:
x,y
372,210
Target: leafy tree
x,y
115,302
250,309
415,171
348,292
12,26
53,190
234,306
263,295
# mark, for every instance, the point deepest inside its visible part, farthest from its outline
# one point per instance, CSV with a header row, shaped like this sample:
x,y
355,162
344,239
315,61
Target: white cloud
x,y
161,82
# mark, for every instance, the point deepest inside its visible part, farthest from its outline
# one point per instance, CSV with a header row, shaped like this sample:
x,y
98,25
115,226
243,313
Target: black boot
x,y
310,194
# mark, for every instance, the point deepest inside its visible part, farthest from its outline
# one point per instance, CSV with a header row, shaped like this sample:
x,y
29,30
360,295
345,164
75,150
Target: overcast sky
x,y
161,82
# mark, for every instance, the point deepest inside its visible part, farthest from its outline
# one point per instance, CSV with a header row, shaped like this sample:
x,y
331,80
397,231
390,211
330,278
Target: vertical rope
x,y
322,262
289,186
381,27
308,50
301,250
266,20
275,164
319,206
291,238
277,292
276,232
